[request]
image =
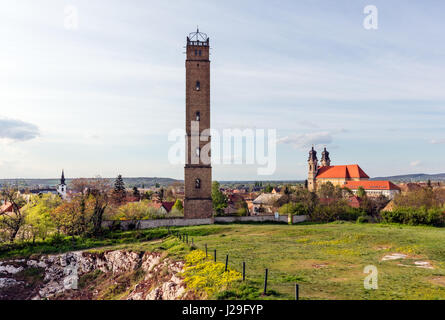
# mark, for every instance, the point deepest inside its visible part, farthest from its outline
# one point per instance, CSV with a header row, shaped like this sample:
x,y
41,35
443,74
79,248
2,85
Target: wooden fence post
x,y
297,294
214,256
227,261
244,271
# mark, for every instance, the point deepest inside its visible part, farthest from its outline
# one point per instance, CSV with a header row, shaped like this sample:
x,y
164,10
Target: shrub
x,y
415,216
335,211
293,208
203,275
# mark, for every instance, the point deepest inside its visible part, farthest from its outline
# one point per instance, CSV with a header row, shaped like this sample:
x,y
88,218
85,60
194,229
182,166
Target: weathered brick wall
x,y
198,208
197,202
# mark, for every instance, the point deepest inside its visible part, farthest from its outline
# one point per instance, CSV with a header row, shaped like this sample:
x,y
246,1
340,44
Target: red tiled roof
x,y
347,171
354,201
168,205
371,185
7,207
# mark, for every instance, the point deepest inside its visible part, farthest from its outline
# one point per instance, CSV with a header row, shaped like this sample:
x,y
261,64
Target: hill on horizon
x,y
52,182
165,182
416,177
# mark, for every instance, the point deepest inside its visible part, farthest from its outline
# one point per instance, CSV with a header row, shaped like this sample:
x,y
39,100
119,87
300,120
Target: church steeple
x,y
325,160
62,179
61,189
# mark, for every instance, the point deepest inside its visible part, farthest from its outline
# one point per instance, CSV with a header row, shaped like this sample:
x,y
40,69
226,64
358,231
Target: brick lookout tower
x,y
198,169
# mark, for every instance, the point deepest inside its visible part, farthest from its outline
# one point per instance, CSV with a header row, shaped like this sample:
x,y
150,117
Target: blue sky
x,y
100,100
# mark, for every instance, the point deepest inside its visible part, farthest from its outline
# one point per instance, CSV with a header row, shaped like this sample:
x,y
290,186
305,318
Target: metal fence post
x,y
265,282
214,256
244,271
227,261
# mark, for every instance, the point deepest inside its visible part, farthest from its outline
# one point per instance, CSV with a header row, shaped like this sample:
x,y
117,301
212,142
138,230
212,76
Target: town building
x,y
374,188
345,176
265,204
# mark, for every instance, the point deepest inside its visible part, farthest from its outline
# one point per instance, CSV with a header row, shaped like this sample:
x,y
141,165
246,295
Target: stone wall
x,y
266,218
157,223
150,224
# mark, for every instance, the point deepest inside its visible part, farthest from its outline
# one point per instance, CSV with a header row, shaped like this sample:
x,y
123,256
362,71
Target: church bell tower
x,y
198,169
61,189
313,170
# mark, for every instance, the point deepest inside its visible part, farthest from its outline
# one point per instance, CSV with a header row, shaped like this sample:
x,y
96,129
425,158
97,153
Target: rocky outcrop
x,y
60,275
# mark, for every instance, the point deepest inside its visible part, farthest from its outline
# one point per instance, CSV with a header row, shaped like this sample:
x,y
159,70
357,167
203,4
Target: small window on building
x,y
196,52
198,116
198,85
197,184
199,52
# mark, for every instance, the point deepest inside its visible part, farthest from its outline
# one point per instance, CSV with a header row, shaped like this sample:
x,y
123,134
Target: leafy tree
x,y
329,191
119,192
148,195
241,208
293,208
136,193
178,206
268,189
423,197
161,194
67,218
38,215
93,202
11,222
98,189
219,199
361,193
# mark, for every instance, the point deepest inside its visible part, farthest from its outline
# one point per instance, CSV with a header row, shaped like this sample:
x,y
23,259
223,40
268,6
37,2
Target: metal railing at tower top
x,y
198,43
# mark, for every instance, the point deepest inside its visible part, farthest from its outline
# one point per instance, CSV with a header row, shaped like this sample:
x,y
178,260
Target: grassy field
x,y
326,260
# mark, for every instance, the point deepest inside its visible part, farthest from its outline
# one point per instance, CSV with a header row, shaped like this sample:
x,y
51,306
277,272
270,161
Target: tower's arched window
x,y
198,85
198,184
198,116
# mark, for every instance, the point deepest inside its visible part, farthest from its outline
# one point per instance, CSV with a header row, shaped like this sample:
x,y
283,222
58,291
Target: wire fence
x,y
270,281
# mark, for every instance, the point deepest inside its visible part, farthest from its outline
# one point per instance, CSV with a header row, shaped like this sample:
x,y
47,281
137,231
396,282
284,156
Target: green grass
x,y
64,244
326,260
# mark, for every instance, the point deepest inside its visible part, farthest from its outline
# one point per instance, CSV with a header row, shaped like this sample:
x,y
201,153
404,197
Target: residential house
x,y
264,204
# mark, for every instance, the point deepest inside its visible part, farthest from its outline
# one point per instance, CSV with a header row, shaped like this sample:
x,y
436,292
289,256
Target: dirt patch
x,y
438,281
394,256
423,264
319,266
383,247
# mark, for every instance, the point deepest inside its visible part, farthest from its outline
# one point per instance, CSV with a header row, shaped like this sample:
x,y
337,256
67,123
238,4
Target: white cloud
x,y
17,130
303,141
437,141
415,163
